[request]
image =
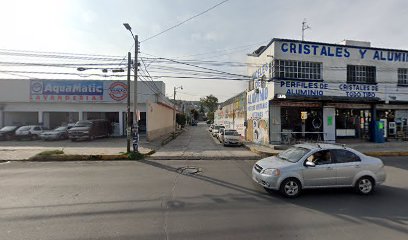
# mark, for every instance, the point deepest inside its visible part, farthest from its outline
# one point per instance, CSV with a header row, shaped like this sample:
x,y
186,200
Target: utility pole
x,y
129,123
174,110
304,27
136,116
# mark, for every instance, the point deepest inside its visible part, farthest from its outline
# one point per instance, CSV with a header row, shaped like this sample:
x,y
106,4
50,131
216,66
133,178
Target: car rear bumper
x,y
52,137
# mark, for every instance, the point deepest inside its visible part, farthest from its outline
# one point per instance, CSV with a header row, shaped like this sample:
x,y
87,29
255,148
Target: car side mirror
x,y
310,164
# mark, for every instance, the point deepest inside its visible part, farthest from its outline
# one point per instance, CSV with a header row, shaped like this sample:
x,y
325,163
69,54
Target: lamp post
x,y
174,110
136,116
128,122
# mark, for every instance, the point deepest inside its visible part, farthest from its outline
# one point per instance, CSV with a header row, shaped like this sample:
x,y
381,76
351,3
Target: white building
x,y
52,103
326,91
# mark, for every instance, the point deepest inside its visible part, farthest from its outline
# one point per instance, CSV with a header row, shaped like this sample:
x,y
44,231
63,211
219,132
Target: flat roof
x,y
321,43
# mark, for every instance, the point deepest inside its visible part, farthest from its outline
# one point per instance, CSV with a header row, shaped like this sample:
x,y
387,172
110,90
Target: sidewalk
x,y
371,149
23,150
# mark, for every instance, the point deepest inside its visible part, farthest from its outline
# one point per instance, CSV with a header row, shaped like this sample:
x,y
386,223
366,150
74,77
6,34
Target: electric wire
x,y
181,23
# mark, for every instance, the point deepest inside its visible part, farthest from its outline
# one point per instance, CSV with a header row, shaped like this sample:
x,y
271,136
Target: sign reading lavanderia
x,y
77,91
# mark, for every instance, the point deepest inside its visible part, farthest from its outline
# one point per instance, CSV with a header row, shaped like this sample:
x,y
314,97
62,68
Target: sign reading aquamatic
x,y
77,91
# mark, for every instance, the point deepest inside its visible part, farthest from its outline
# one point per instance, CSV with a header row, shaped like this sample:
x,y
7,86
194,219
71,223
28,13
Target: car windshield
x,y
293,154
60,129
8,128
231,133
24,128
83,124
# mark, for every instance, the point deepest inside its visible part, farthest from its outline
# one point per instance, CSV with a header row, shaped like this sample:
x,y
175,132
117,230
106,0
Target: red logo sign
x,y
118,91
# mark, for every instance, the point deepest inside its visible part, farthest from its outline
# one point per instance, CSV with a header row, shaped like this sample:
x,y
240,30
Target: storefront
x,y
328,92
53,103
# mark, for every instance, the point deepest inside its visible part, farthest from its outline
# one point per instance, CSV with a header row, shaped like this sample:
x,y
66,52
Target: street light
x,y
115,70
174,110
136,118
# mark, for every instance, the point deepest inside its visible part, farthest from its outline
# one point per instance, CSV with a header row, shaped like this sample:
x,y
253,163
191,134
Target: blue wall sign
x,y
343,52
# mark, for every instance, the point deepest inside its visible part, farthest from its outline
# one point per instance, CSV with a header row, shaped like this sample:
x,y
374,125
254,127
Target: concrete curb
x,y
259,152
204,158
386,154
372,154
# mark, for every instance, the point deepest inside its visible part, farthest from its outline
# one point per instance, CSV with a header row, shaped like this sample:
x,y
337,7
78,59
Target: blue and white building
x,y
323,91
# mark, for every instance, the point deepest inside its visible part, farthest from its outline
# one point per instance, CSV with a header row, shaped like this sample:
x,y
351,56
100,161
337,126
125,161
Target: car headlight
x,y
271,171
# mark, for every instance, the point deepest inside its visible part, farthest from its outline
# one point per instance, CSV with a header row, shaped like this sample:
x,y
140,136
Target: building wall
x,y
41,100
335,59
258,114
232,113
159,120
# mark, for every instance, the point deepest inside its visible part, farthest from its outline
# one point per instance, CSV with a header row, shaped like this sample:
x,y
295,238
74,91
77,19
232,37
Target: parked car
x,y
58,133
31,132
220,132
216,129
194,123
89,130
306,166
8,132
231,137
210,128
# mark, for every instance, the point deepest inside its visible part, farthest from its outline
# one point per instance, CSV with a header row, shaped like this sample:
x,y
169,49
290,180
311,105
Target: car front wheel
x,y
290,188
364,185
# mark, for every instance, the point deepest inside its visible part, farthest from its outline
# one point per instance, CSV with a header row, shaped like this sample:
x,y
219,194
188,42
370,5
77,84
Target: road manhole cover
x,y
189,170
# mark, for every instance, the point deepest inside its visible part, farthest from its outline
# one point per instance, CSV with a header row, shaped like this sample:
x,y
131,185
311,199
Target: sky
x,y
227,33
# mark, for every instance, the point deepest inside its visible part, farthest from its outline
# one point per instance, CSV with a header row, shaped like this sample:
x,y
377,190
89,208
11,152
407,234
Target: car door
x,y
347,165
323,173
37,130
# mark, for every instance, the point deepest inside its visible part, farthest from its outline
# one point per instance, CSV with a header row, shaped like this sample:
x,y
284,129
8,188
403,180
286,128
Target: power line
x,y
188,19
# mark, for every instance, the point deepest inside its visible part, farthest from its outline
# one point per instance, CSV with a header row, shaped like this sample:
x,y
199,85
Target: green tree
x,y
210,116
211,102
202,108
181,119
194,113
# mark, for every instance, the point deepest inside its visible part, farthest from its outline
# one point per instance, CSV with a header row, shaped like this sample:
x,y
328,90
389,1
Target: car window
x,y
36,128
231,133
345,156
321,157
293,154
8,128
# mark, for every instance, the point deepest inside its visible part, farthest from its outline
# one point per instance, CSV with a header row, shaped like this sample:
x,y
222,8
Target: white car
x,y
211,128
318,166
216,129
230,137
31,132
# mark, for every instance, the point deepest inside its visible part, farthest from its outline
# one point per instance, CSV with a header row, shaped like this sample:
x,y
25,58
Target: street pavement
x,y
197,143
152,199
20,150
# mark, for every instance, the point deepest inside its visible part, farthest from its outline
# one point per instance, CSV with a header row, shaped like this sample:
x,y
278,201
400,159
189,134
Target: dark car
x,y
58,133
89,130
8,132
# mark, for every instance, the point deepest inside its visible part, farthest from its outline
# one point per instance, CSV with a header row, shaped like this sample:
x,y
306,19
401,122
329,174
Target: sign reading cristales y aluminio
x,y
78,91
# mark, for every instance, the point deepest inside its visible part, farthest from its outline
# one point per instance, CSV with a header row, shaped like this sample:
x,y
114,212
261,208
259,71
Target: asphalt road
x,y
197,143
151,200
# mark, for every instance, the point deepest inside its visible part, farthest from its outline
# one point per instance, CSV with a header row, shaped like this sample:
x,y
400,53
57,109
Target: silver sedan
x,y
318,166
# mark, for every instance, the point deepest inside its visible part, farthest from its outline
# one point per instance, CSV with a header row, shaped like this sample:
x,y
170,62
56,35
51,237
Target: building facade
x,y
325,92
232,113
53,103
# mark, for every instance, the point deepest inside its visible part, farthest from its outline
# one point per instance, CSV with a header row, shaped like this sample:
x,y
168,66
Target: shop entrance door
x,y
302,123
